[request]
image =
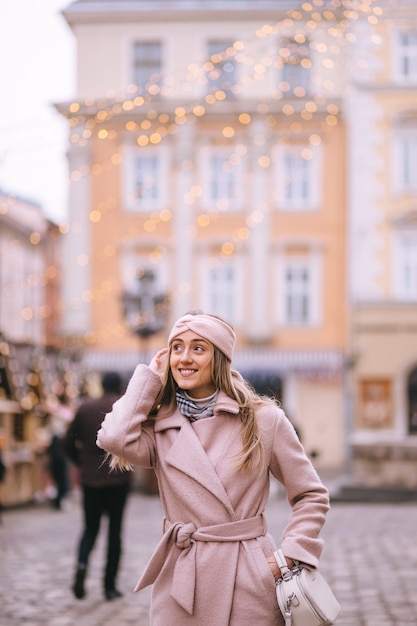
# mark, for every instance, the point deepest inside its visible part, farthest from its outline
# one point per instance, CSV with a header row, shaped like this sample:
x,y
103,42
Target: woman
x,y
213,443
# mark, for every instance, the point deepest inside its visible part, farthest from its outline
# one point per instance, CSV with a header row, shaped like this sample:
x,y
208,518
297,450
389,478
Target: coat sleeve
x,y
306,494
122,432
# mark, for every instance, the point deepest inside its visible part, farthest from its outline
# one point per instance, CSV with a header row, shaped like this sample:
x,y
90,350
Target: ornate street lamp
x,y
145,311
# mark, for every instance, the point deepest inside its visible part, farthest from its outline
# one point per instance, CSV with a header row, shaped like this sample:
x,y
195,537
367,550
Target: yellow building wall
x,y
319,418
327,228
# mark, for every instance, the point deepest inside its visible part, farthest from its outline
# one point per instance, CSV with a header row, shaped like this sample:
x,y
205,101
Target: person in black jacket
x,y
58,469
104,491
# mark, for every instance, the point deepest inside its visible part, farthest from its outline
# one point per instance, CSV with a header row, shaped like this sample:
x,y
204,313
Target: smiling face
x,y
190,362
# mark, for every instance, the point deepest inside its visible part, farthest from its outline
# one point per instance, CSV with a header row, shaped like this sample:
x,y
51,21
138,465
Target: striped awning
x,y
288,360
250,359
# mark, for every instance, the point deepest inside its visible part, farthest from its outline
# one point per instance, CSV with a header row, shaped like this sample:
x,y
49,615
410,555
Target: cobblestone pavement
x,y
370,560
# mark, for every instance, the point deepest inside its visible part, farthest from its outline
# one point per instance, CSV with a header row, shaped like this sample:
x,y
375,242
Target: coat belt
x,y
184,536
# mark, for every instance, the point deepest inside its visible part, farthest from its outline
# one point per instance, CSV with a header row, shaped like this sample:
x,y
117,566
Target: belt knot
x,y
184,535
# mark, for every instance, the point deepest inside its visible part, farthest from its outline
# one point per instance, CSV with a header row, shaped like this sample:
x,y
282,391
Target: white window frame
x,y
294,73
404,154
157,200
222,186
405,54
221,280
289,180
227,68
227,301
405,264
152,76
311,263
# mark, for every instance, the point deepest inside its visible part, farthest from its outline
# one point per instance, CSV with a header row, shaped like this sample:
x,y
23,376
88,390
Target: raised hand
x,y
158,362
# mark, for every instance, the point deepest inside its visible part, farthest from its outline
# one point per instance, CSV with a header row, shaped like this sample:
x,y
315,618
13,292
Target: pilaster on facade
x,y
76,246
258,289
365,189
184,283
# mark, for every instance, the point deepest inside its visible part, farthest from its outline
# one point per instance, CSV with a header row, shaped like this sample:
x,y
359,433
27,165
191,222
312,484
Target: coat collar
x,y
177,420
226,404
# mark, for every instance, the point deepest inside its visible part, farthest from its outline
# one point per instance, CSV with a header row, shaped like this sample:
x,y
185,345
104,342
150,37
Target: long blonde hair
x,y
235,387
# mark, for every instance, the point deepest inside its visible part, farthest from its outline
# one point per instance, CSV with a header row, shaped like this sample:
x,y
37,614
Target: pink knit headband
x,y
211,328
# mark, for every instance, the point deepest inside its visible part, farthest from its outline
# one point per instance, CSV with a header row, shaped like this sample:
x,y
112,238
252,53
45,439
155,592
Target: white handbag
x,y
304,597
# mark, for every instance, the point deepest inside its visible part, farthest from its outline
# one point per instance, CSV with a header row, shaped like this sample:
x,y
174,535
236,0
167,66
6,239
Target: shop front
x,y
384,387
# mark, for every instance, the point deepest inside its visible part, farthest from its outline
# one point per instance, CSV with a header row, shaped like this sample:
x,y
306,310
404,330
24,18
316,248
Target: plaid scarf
x,y
191,410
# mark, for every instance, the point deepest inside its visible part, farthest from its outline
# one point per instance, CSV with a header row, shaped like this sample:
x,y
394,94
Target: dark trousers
x,y
96,502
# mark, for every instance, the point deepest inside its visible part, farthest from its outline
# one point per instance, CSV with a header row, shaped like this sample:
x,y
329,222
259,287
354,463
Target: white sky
x,y
37,68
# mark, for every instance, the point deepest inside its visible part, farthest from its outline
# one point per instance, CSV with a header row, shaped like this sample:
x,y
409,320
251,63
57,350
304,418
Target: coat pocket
x,y
263,571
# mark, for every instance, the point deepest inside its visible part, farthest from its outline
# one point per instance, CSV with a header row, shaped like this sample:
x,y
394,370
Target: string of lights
x,y
325,29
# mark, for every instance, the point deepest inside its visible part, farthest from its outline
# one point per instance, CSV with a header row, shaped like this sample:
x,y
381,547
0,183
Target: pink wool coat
x,y
210,568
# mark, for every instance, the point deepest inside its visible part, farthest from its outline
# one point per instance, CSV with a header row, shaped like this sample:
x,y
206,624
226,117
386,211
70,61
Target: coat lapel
x,y
194,462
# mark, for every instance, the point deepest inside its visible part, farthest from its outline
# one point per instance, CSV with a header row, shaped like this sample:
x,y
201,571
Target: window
x,y
297,187
297,296
222,180
298,176
409,267
406,265
408,162
223,75
145,179
147,63
221,284
405,154
296,66
221,291
406,56
299,288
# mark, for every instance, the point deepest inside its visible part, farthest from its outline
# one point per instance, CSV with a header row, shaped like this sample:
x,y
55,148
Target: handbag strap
x,y
281,561
286,574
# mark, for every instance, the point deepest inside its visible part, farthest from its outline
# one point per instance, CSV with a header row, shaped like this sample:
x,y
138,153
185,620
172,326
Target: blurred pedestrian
x,y
58,470
214,444
104,492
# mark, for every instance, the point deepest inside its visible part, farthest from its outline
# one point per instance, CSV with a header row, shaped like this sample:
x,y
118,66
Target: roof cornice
x,y
99,11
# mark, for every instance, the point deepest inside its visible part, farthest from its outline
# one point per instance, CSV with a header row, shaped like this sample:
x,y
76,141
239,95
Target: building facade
x,y
207,150
29,316
34,371
209,147
382,162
